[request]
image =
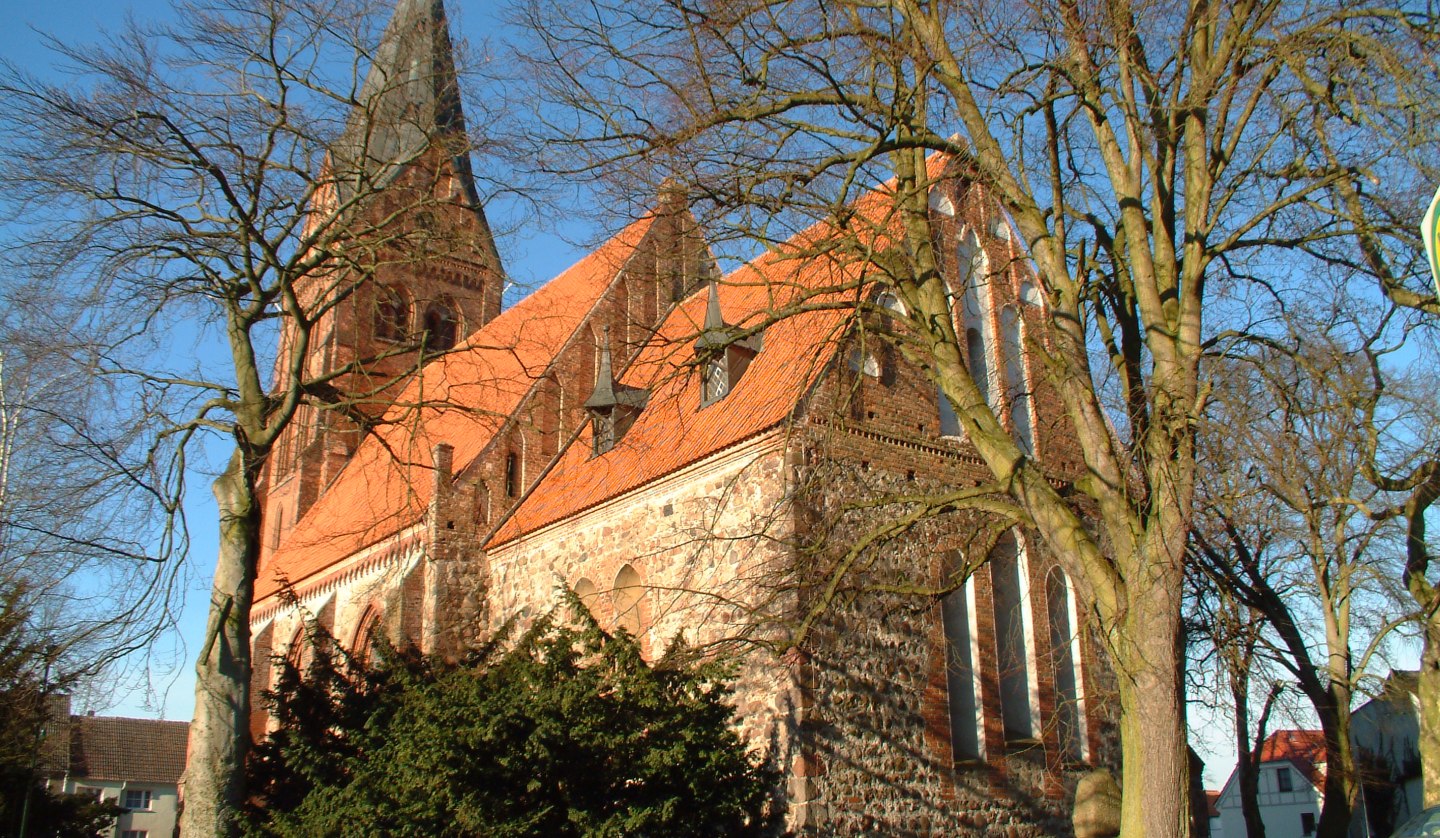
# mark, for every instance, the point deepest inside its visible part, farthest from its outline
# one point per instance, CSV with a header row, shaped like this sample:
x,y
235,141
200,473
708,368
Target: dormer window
x,y
717,380
724,357
613,407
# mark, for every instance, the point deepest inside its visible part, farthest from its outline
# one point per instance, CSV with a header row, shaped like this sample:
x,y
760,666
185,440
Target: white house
x,y
137,763
1292,774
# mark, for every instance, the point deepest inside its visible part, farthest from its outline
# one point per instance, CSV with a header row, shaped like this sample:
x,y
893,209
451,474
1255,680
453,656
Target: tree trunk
x,y
1247,772
214,784
1155,760
1341,788
1429,695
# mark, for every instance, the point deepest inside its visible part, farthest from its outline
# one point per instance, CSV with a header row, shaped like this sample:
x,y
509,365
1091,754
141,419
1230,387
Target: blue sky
x,y
531,254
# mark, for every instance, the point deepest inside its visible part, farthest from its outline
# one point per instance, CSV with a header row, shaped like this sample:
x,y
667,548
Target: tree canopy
x,y
564,731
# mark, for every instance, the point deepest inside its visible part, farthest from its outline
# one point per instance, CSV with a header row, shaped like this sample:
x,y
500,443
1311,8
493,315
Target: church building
x,y
746,461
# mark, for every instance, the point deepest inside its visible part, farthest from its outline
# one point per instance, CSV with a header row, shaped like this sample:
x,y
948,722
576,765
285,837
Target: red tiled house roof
x,y
808,274
463,399
133,750
1303,748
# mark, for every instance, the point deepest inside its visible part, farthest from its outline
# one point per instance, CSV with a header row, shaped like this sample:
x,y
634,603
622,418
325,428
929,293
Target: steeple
x,y
410,99
399,179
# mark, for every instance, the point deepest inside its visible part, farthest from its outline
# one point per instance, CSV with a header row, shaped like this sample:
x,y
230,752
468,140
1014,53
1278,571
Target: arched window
x,y
1014,638
589,597
441,326
512,475
891,303
863,362
262,664
974,275
957,611
1065,658
363,644
628,599
298,653
392,314
1017,383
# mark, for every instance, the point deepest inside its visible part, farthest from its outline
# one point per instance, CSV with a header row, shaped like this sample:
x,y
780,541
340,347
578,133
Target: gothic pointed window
x,y
441,326
957,610
1065,659
1014,638
1017,383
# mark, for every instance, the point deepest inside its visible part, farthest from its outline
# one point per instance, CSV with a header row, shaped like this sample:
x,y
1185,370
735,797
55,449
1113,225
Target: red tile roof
x,y
135,750
808,274
1304,748
462,399
1212,803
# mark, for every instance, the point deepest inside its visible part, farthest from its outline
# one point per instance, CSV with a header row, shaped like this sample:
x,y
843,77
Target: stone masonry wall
x,y
710,546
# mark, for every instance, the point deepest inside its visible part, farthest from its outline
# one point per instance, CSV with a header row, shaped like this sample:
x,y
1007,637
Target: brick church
x,y
656,437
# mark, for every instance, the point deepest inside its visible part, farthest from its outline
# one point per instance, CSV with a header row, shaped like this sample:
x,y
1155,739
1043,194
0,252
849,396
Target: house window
x,y
392,314
134,833
1307,823
1283,782
90,793
956,613
137,800
603,431
1013,638
1064,657
441,327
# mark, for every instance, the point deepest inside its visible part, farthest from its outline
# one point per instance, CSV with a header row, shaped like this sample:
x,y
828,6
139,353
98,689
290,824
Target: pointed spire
x,y
716,333
609,393
411,97
603,396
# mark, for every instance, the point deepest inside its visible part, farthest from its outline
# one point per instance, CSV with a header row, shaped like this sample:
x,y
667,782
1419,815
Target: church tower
x,y
418,270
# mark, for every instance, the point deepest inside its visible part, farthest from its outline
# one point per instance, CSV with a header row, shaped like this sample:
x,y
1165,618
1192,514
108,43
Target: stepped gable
x,y
674,430
462,398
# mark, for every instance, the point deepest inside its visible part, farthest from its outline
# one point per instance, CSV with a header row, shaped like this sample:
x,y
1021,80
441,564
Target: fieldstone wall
x,y
711,546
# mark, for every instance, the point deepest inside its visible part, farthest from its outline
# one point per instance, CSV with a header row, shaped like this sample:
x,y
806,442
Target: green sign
x,y
1431,235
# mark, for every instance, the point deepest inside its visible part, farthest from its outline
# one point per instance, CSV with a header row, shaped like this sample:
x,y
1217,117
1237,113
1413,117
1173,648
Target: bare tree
x,y
1291,527
1151,158
233,182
